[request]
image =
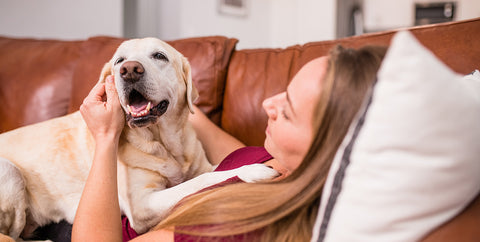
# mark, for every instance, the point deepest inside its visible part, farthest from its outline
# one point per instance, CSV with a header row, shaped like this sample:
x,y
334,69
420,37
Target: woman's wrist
x,y
106,139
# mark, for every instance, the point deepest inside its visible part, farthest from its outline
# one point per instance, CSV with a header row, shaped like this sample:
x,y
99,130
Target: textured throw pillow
x,y
411,160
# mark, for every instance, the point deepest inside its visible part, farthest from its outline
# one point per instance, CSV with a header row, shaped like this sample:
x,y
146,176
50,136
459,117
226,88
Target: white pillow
x,y
475,76
411,160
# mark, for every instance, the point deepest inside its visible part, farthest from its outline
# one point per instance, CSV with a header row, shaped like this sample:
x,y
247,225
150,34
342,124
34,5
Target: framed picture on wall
x,y
233,7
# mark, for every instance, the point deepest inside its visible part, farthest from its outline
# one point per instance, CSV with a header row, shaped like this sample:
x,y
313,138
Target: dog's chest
x,y
156,156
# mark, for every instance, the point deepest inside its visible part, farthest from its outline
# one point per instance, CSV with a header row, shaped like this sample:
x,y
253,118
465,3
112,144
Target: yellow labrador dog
x,y
44,166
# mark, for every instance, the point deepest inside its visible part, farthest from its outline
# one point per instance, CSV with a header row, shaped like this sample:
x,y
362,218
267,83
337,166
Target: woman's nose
x,y
270,107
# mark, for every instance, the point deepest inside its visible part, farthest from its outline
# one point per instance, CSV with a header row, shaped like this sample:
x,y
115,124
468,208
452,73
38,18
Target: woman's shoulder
x,y
244,156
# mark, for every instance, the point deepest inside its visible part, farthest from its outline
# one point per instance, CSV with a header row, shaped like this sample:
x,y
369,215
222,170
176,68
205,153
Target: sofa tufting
x,y
42,79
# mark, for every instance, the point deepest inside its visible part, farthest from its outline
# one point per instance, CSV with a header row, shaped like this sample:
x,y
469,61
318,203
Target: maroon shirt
x,y
243,156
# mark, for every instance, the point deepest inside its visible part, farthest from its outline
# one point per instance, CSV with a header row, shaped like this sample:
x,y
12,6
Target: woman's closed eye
x,y
284,114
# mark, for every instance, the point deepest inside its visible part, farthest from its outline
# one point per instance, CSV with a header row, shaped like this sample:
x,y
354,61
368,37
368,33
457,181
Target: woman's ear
x,y
192,93
106,71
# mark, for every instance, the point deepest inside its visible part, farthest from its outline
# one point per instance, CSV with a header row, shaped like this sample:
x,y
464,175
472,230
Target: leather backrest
x,y
257,74
35,79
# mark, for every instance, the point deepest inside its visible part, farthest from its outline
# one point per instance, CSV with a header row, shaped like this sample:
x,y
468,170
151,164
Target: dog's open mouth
x,y
138,105
141,111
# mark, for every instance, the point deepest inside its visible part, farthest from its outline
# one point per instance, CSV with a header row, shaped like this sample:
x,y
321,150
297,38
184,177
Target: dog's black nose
x,y
131,71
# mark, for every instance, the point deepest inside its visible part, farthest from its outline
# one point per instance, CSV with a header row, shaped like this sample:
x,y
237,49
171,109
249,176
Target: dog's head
x,y
152,79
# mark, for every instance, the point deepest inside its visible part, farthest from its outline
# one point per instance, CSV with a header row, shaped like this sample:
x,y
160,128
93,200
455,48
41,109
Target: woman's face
x,y
290,115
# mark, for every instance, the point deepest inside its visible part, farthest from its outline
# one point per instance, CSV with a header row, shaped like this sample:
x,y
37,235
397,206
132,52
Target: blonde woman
x,y
301,141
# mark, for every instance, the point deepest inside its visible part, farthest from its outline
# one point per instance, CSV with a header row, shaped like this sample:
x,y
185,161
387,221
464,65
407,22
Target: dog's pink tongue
x,y
138,107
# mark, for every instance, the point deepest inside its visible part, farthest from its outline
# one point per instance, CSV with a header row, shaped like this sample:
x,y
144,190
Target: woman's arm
x,y
216,142
98,214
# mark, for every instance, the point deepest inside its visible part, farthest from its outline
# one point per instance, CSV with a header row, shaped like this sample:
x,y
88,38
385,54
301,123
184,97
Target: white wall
x,y
62,19
201,18
388,14
301,21
467,9
268,23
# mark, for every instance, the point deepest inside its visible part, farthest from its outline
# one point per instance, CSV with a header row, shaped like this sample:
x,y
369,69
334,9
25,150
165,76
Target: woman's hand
x,y
102,112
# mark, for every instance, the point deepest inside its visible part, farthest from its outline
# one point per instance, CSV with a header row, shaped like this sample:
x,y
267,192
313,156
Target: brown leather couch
x,y
43,79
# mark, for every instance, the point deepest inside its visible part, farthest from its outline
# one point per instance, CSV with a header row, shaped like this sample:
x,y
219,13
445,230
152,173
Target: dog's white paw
x,y
256,173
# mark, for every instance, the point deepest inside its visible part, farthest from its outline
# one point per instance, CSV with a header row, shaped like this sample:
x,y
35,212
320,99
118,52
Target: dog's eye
x,y
160,56
119,60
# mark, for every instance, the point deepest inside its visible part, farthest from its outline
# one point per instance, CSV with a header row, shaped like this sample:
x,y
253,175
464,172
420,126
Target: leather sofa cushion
x,y
208,57
35,77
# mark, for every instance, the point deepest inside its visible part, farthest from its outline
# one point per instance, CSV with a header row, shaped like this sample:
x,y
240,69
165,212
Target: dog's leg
x,y
153,204
13,203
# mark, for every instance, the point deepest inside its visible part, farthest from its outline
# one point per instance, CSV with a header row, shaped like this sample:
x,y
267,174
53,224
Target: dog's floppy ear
x,y
192,93
106,71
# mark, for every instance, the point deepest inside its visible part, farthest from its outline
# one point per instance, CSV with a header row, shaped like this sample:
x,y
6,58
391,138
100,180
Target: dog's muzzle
x,y
141,111
148,116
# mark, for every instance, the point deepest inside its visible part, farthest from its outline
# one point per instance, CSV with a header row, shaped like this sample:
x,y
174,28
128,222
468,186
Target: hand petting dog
x,y
101,110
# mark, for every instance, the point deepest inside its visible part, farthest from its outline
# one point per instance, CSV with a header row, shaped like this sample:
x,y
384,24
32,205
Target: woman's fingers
x,y
101,110
111,92
97,93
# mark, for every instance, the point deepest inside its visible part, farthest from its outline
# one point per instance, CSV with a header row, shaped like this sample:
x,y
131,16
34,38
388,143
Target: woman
x,y
301,137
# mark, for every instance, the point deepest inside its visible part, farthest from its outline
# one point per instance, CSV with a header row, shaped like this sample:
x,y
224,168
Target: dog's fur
x,y
45,165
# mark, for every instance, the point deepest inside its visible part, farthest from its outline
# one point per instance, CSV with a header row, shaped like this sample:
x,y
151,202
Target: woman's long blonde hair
x,y
285,210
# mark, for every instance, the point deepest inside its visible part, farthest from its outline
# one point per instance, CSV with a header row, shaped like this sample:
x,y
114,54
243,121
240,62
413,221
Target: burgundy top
x,y
243,156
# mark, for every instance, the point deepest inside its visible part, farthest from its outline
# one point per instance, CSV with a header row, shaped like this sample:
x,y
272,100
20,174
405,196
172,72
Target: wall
x,y
388,14
141,18
268,23
347,23
62,19
309,20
